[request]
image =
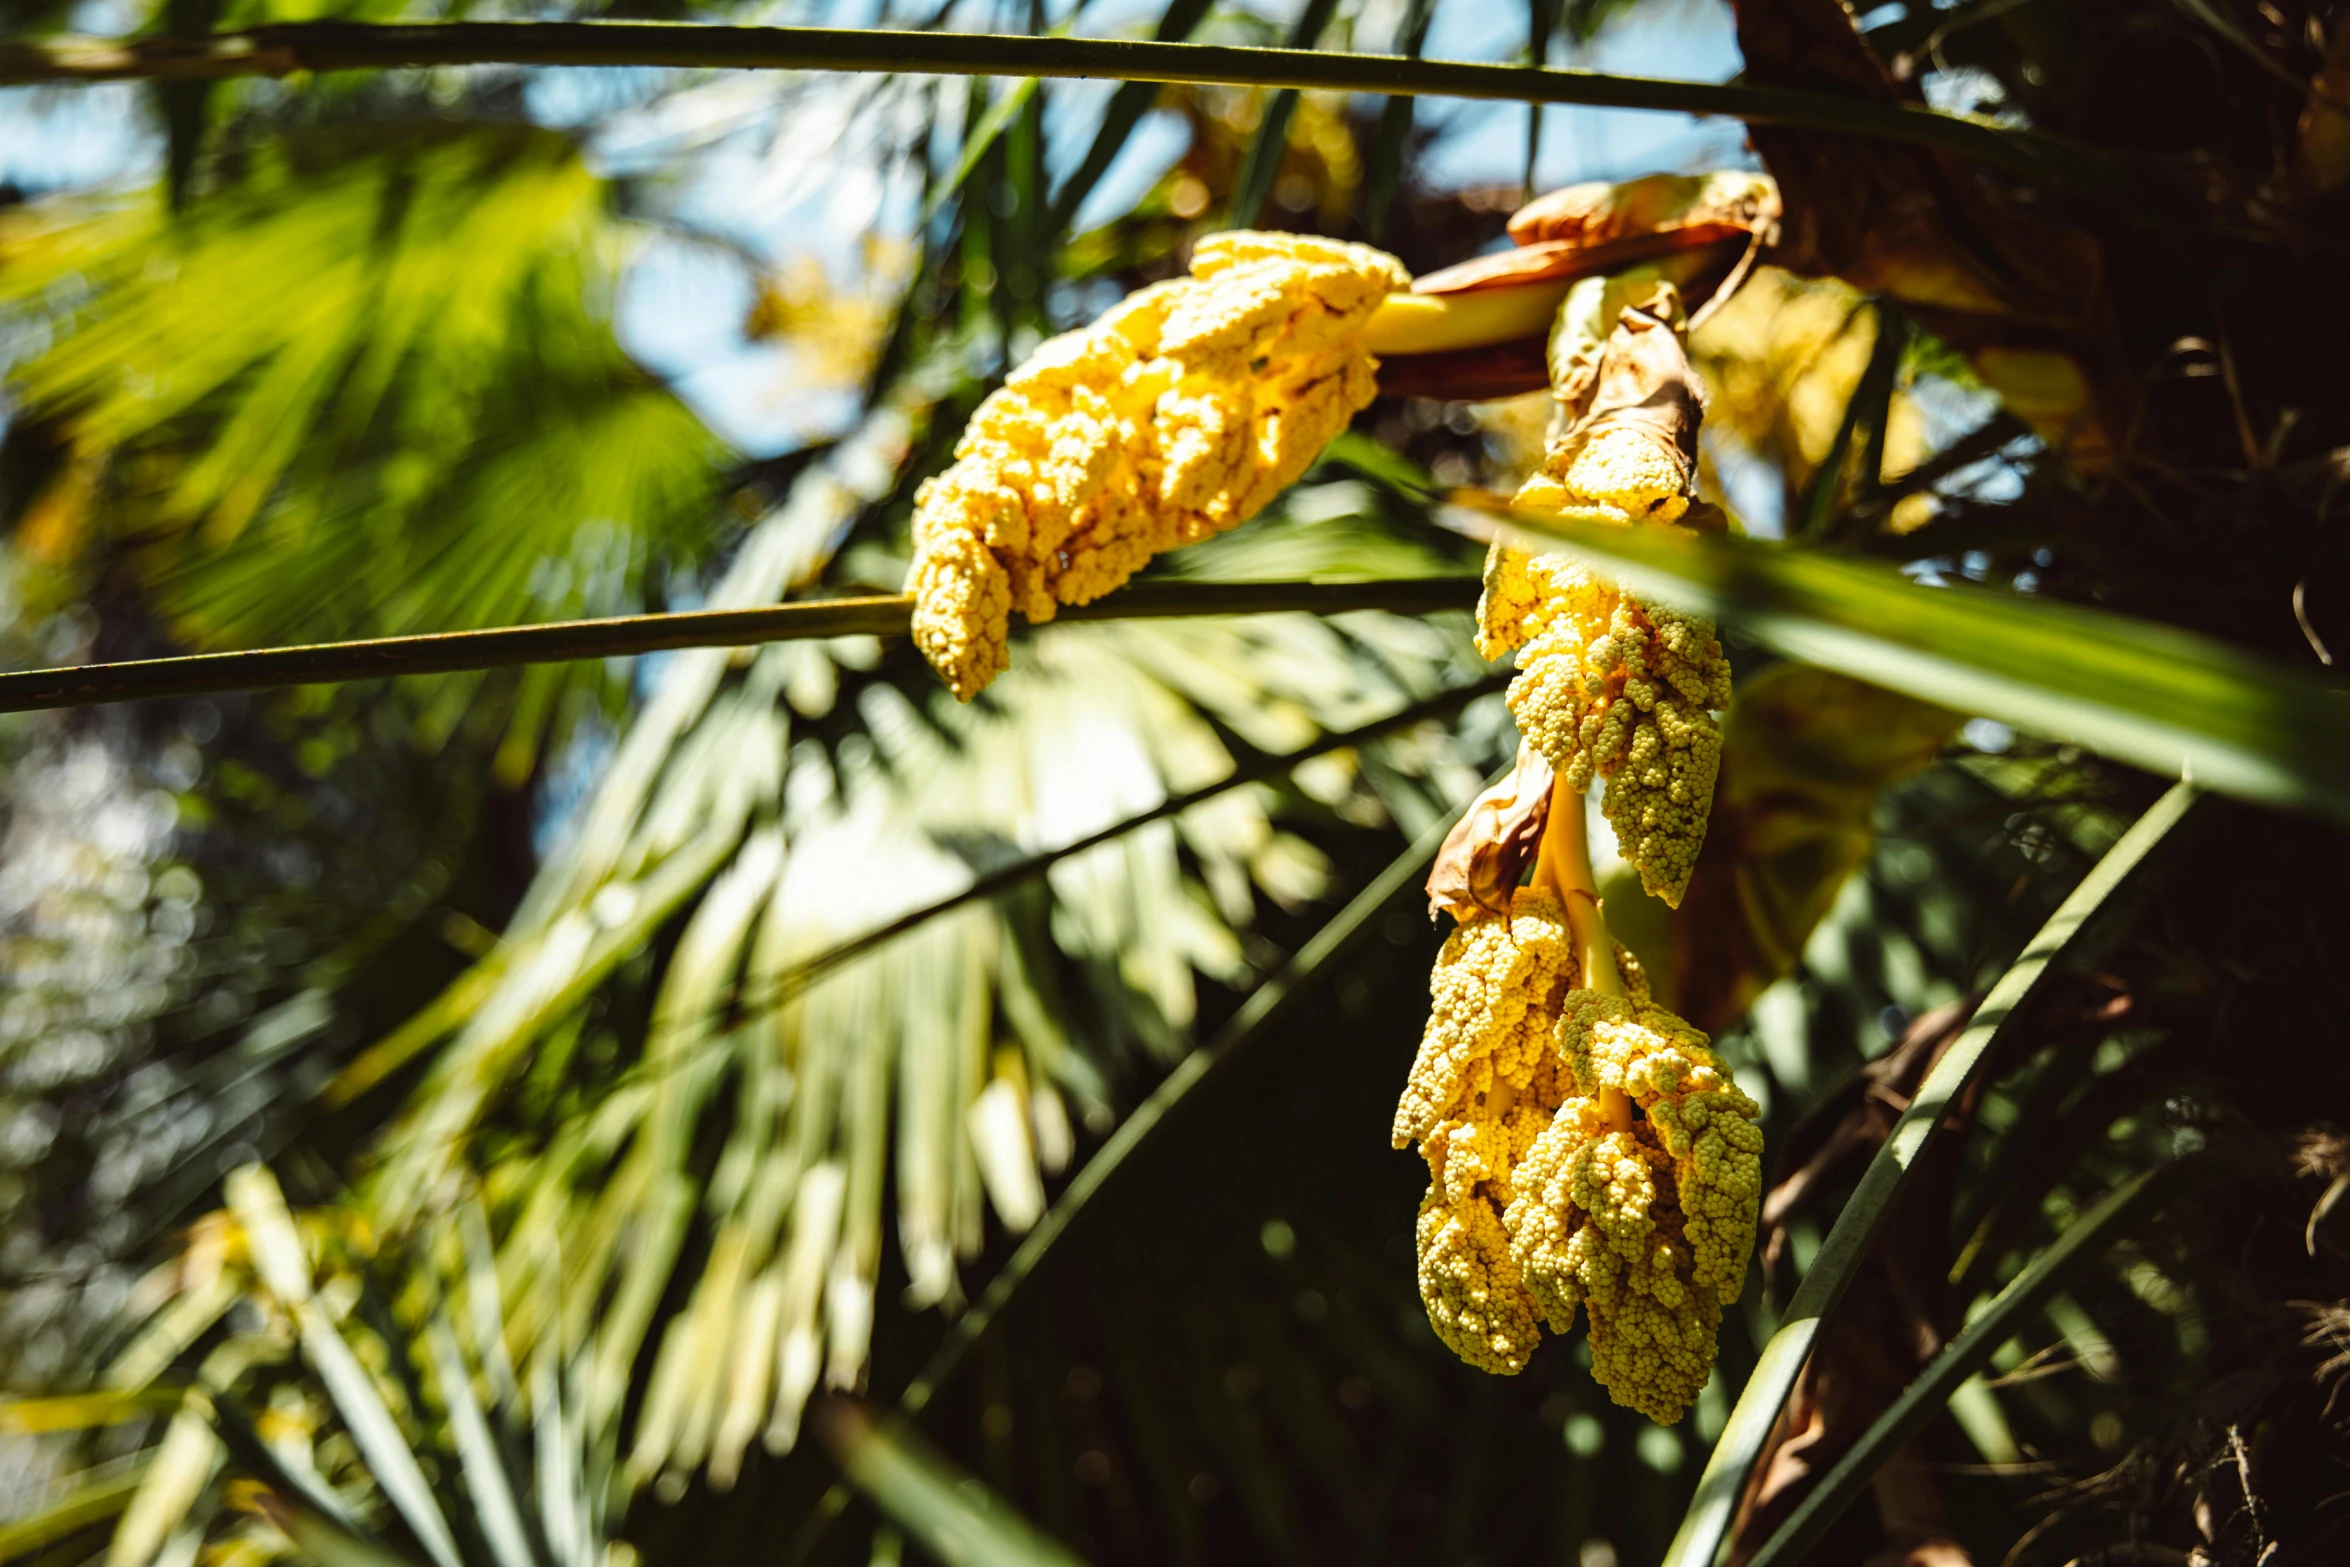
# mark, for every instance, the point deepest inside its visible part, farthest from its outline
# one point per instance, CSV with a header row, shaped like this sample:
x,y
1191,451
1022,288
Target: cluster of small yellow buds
x,y
1541,1198
1177,415
1612,687
1646,1225
1486,1083
1609,685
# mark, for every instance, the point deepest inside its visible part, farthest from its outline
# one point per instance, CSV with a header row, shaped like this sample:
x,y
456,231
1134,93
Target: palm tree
x,y
509,1118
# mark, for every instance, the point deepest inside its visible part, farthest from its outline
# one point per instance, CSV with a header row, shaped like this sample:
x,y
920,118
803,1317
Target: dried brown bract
x,y
1486,854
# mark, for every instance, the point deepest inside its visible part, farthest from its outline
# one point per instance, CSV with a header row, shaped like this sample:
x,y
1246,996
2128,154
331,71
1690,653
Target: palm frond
x,y
374,392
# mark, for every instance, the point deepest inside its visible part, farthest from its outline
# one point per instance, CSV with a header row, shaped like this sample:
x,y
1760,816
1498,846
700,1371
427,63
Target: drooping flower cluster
x,y
1610,685
1613,687
1587,1151
1177,415
1543,1197
1647,1225
1485,1085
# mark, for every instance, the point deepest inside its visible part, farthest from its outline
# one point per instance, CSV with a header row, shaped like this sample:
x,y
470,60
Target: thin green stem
x,y
330,663
1998,432
1127,107
344,46
997,882
1868,408
1960,1359
1258,166
1707,1522
1394,135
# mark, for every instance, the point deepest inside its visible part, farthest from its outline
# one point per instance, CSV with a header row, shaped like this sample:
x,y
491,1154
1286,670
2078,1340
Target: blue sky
x,y
682,309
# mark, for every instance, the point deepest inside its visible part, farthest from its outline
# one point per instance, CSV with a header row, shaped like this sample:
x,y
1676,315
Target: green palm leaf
x,y
369,393
951,1513
2177,704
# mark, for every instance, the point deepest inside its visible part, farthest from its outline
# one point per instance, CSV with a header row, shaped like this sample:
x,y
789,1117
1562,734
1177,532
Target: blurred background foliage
x,y
491,1121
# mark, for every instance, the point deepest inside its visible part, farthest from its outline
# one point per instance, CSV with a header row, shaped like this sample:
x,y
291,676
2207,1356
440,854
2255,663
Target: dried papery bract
x,y
1702,233
1599,229
1177,415
1669,209
1487,852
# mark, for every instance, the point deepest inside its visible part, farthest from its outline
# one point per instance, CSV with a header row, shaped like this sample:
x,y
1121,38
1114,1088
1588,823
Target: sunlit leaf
x,y
369,392
2163,699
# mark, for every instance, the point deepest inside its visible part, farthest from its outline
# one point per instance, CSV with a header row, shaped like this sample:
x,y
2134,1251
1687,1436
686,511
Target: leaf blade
x,y
1960,1359
2173,702
959,1519
1840,1256
259,1206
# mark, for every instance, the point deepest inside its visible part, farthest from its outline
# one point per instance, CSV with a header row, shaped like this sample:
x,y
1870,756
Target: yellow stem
x,y
1407,323
1563,864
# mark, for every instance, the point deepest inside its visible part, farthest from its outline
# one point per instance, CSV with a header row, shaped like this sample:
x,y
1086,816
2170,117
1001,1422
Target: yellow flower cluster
x,y
1611,687
1483,1088
1620,469
1177,415
1539,1202
1646,1225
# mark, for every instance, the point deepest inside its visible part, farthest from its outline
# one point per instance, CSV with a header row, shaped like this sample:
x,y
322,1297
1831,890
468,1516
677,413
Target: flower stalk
x,y
1563,864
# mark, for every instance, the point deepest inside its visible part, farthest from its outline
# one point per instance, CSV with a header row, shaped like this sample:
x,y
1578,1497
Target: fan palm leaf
x,y
983,1026
360,392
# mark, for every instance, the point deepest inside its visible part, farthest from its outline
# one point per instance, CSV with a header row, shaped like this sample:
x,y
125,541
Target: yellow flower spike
x,y
1495,990
1475,1301
1588,1153
1485,1085
1610,686
1633,1205
1177,415
1647,1228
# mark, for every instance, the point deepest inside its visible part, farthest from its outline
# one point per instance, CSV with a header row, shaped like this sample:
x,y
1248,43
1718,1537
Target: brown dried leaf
x,y
1980,271
1591,323
1491,845
1644,383
1639,383
1726,204
1563,260
1590,231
